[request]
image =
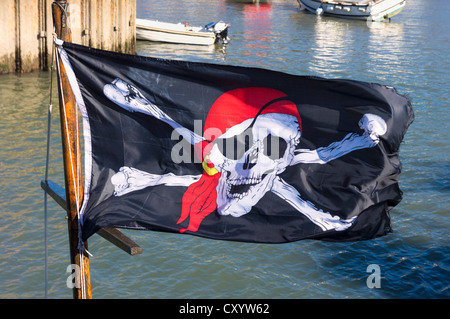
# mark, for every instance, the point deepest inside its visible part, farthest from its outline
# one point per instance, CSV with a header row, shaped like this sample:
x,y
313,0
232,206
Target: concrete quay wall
x,y
27,30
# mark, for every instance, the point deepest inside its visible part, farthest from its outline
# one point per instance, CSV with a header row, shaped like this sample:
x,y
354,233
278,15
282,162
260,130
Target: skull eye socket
x,y
274,147
235,147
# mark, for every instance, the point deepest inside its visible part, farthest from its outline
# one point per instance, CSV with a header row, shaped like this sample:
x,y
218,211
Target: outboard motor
x,y
220,29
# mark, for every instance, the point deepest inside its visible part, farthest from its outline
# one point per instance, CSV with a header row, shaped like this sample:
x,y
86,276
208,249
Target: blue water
x,y
410,53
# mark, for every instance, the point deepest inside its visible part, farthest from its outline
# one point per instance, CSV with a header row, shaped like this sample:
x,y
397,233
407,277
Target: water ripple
x,y
414,260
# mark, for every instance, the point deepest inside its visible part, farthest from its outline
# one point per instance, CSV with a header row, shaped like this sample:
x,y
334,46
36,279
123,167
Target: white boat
x,y
158,31
372,10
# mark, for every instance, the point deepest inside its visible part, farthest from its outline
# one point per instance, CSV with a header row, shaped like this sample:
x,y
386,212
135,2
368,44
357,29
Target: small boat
x,y
372,10
158,31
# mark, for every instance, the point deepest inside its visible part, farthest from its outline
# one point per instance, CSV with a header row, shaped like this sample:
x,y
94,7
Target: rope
x,y
64,8
49,122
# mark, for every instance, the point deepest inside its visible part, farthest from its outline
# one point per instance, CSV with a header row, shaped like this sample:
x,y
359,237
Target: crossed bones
x,y
129,179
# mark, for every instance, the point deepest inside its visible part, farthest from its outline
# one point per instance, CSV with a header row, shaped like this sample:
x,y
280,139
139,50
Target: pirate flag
x,y
234,153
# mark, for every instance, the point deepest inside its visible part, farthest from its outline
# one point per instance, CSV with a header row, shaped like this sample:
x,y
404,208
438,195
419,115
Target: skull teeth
x,y
237,195
245,180
240,187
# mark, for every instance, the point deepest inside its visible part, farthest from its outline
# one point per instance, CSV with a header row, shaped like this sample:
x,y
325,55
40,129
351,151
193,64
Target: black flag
x,y
235,153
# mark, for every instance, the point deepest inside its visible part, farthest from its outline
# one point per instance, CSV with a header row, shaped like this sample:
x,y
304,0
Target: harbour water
x,y
410,53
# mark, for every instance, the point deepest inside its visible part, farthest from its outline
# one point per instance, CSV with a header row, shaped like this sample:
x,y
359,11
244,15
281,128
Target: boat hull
x,y
173,33
361,10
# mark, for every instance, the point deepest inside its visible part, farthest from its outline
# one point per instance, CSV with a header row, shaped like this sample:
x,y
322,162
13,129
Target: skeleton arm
x,y
318,217
130,98
373,127
129,179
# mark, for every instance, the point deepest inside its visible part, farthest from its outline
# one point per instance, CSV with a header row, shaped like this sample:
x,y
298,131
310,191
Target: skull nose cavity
x,y
251,159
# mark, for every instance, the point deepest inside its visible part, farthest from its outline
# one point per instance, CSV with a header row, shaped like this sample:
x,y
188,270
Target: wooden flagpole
x,y
71,158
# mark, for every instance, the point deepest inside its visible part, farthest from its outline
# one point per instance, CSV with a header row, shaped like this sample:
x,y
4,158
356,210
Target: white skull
x,y
249,157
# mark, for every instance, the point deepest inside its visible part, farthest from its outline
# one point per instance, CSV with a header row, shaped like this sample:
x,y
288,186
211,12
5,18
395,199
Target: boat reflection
x,y
387,49
376,40
257,29
249,1
175,51
330,43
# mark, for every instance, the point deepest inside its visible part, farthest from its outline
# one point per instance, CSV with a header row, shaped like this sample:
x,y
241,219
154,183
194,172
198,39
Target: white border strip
x,y
86,126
